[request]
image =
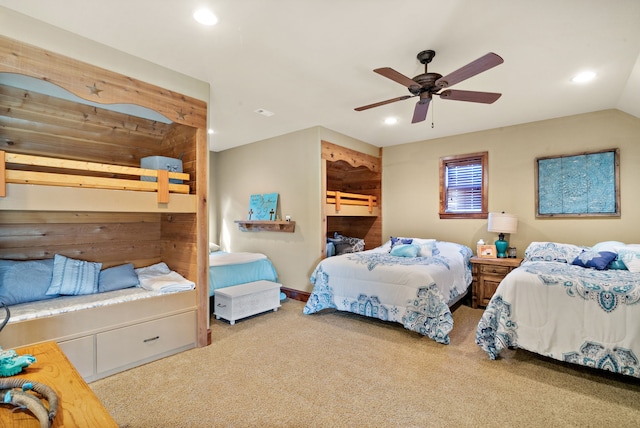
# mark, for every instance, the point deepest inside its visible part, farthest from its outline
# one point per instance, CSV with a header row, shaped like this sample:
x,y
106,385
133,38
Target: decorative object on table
x,y
512,252
10,362
161,162
263,207
581,185
502,223
487,251
14,392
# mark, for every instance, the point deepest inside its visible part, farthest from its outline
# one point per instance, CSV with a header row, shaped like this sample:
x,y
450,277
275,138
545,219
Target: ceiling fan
x,y
427,85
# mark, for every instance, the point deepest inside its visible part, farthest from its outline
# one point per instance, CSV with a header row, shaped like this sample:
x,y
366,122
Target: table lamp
x,y
502,223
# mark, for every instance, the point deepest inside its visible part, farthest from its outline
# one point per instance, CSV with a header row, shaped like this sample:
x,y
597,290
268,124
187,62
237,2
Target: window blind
x,y
464,185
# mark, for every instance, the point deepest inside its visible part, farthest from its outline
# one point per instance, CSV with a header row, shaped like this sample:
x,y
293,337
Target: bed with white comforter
x,y
583,315
415,289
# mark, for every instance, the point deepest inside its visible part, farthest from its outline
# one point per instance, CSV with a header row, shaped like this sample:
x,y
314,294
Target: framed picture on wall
x,y
579,185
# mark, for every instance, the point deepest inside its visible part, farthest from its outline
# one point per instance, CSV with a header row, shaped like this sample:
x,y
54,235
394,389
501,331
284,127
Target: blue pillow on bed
x,y
25,281
594,259
74,277
117,278
405,250
398,241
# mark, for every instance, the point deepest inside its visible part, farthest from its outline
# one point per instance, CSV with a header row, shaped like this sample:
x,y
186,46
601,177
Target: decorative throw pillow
x,y
25,281
616,264
74,277
594,259
117,278
630,256
213,247
405,250
552,252
396,241
426,246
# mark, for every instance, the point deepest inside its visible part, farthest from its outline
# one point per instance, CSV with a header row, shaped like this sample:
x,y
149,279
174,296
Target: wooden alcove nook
x,y
358,176
108,226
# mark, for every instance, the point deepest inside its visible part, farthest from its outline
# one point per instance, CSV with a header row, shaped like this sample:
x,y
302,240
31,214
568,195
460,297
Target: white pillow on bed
x,y
426,246
552,252
630,256
213,247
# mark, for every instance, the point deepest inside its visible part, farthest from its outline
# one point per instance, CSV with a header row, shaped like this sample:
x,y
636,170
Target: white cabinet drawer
x,y
127,345
81,353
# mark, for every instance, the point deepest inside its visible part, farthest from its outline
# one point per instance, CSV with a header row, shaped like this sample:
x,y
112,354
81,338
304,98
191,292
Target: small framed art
x,y
487,251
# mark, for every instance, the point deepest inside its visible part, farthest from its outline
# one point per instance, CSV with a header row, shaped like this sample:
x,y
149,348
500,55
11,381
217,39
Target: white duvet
x,y
569,313
413,291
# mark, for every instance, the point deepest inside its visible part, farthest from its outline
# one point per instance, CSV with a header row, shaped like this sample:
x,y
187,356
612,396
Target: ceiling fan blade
x,y
422,107
483,63
390,73
471,96
381,103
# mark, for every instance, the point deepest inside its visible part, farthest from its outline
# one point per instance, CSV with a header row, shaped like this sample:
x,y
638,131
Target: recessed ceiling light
x,y
391,121
584,77
205,17
210,131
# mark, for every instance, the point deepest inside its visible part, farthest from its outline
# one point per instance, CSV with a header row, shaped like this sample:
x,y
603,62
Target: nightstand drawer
x,y
495,270
487,274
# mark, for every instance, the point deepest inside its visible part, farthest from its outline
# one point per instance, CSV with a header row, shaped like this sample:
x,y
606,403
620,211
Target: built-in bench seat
x,y
106,333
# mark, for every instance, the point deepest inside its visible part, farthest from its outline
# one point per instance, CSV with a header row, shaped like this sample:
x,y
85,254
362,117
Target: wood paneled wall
x,y
39,124
354,172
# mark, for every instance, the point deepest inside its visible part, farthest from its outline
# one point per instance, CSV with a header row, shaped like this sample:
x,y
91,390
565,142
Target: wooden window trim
x,y
484,159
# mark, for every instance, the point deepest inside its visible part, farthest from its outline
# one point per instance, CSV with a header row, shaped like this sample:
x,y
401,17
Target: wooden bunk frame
x,y
352,191
76,191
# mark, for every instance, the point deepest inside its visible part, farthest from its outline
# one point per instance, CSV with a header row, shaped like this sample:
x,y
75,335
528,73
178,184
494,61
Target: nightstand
x,y
487,274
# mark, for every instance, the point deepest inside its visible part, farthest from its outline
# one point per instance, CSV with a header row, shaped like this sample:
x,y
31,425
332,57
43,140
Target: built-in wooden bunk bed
x,y
352,187
71,185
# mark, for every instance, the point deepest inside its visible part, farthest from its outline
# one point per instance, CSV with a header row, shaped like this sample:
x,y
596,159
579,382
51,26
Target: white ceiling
x,y
310,61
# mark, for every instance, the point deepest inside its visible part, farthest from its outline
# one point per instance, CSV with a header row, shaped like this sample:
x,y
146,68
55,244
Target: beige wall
x,y
289,165
410,180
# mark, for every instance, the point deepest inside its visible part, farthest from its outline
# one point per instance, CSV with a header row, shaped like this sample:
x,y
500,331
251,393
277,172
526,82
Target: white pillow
x,y
213,247
610,246
630,256
425,246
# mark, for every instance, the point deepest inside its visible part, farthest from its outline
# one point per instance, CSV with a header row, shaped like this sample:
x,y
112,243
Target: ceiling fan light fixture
x,y
391,121
205,17
584,77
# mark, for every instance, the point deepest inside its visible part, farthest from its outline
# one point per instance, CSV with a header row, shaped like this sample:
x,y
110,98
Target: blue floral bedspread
x,y
569,313
413,291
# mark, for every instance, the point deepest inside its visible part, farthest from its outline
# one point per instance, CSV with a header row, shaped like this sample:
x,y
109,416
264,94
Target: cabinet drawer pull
x,y
151,339
220,305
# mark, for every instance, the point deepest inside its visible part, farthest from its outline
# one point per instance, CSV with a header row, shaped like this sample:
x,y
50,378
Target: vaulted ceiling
x,y
310,62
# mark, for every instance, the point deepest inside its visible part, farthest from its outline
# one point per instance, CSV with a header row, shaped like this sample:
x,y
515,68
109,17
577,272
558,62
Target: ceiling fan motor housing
x,y
427,83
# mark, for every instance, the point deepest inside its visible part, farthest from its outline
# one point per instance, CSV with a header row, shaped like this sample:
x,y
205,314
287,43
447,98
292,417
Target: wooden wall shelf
x,y
266,226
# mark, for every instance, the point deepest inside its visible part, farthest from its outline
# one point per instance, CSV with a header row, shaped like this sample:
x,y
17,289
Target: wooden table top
x,y
78,406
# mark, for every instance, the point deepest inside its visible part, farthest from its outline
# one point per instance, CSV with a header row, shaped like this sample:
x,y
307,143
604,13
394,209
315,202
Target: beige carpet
x,y
286,369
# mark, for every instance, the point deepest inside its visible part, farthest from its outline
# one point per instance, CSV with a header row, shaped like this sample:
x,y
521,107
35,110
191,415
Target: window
x,y
463,186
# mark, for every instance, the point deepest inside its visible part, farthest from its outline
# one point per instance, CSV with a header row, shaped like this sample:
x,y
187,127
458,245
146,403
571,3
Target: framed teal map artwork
x,y
585,184
263,207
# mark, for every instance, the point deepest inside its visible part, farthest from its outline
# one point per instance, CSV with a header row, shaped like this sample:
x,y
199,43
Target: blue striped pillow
x,y
74,277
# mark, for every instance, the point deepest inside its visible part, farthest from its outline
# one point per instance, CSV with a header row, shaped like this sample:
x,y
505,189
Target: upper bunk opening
x,y
42,119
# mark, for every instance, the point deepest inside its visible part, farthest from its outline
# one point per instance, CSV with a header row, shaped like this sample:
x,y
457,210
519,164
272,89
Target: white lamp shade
x,y
502,223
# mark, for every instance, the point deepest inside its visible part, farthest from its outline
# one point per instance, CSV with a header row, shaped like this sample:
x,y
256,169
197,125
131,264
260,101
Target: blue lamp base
x,y
501,246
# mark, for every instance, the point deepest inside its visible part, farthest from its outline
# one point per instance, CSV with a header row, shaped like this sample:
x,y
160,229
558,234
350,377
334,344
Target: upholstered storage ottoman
x,y
243,300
